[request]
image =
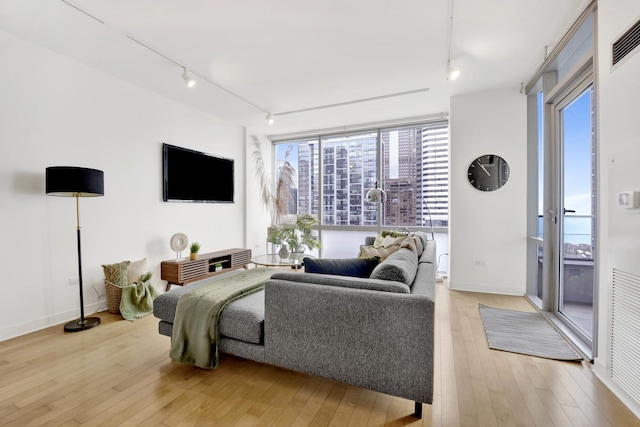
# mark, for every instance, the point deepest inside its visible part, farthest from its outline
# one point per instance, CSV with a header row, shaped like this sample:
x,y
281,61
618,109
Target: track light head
x,y
188,80
452,73
270,119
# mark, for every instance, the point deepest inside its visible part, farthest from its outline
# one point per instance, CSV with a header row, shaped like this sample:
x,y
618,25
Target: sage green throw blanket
x,y
195,333
137,298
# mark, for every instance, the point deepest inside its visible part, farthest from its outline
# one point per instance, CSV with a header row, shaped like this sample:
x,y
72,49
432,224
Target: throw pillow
x,y
352,267
393,241
409,244
393,233
116,273
382,253
419,245
136,269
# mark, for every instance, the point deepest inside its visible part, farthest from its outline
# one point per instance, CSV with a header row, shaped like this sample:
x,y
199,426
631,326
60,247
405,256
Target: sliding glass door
x,y
576,210
562,186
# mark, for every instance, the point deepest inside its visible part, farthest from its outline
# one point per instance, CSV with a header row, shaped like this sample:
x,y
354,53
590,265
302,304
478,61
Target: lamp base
x,y
77,325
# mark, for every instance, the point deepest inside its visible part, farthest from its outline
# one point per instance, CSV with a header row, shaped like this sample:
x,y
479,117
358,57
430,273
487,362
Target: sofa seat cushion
x,y
243,319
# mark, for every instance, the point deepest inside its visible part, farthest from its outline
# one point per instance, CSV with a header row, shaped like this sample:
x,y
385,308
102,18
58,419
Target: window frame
x,y
321,138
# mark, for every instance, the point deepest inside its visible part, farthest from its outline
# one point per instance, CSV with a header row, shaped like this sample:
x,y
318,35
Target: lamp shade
x,y
376,195
70,181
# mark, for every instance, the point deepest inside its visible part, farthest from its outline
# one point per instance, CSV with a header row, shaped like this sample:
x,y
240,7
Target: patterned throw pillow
x,y
381,252
116,273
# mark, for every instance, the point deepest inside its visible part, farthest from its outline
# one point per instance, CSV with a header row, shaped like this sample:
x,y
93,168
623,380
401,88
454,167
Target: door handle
x,y
566,211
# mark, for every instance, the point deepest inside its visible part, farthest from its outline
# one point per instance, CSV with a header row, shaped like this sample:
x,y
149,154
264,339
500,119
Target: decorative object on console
x,y
178,244
194,249
70,181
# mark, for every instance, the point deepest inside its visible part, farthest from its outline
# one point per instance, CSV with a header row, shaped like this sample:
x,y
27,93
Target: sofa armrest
x,y
344,281
377,340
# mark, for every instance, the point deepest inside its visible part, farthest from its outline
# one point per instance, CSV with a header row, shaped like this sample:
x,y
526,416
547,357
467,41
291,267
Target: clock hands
x,y
483,168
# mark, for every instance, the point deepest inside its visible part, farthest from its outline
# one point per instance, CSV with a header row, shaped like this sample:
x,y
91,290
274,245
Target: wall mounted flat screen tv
x,y
193,176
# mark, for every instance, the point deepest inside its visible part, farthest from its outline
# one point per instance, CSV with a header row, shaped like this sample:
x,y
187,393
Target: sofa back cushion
x,y
429,253
400,266
343,282
352,267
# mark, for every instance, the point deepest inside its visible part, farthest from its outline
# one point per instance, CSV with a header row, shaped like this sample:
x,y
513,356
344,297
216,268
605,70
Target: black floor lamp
x,y
68,181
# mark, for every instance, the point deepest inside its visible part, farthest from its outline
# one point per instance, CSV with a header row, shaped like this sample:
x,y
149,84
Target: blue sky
x,y
577,155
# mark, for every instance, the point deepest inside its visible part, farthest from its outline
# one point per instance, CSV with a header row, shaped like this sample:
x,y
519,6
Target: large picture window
x,y
334,173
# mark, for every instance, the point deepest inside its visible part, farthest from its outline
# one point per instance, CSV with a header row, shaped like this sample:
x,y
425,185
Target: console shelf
x,y
184,271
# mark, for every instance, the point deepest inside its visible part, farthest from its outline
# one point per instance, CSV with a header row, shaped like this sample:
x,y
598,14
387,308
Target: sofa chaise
x,y
375,333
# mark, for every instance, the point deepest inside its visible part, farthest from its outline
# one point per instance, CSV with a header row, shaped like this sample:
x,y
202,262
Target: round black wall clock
x,y
488,172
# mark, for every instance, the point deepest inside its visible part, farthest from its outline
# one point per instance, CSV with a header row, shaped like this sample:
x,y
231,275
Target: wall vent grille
x,y
625,44
625,340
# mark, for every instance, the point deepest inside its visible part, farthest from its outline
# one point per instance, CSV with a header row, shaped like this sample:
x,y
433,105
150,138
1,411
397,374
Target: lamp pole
x,y
82,323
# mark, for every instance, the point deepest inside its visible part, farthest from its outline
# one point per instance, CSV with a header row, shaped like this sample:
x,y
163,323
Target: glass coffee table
x,y
273,260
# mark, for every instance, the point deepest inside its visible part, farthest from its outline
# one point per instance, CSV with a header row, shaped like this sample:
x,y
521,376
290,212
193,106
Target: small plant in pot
x,y
194,249
217,266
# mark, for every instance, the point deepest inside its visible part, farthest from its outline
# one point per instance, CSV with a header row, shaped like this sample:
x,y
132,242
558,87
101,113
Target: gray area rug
x,y
524,333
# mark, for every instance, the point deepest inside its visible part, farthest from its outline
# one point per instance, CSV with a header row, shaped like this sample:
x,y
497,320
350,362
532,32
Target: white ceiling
x,y
284,55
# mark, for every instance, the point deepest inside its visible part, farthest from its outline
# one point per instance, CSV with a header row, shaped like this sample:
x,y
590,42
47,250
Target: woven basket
x,y
114,294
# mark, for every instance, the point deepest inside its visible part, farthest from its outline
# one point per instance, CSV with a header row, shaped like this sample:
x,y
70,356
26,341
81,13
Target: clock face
x,y
488,172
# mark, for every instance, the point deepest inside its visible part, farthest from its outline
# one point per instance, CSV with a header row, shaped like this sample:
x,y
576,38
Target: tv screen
x,y
192,176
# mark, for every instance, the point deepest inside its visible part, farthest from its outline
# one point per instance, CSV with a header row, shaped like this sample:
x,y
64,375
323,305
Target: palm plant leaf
x,y
283,187
266,195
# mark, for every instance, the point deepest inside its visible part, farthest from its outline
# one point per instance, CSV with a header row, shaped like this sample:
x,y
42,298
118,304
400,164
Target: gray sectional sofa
x,y
375,333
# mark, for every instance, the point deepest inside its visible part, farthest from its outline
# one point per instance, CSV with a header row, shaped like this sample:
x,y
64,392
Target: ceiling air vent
x,y
626,44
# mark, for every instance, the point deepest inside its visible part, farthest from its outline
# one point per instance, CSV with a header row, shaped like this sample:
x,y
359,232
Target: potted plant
x,y
194,249
217,266
299,236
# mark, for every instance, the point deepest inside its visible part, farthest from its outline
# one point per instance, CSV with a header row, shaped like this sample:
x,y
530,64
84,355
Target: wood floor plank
x,y
120,374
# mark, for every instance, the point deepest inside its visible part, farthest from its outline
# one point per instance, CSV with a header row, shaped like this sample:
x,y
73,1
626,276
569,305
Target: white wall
x,y
487,230
54,111
619,135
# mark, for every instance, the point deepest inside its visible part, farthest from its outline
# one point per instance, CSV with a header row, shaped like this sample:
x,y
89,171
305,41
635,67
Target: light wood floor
x,y
120,374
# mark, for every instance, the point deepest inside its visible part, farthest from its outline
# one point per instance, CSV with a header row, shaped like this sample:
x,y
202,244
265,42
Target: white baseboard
x,y
484,288
602,373
20,329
